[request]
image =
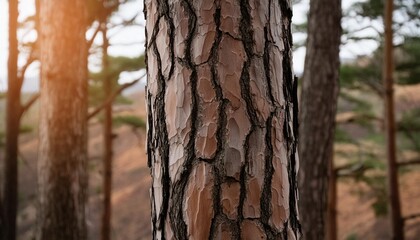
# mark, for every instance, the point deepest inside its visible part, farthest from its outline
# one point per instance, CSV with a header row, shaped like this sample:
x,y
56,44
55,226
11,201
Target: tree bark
x,y
222,119
318,109
13,115
394,206
107,131
62,174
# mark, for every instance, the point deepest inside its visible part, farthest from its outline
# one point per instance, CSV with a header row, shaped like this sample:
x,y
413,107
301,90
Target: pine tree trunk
x,y
318,110
222,119
107,154
13,115
394,206
62,175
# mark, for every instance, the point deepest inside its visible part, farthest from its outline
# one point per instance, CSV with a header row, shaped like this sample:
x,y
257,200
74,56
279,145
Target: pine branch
x,y
22,72
350,170
411,216
112,97
410,162
92,39
29,103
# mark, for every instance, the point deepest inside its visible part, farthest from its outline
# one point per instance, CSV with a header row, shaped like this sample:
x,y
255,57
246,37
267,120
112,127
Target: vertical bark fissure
x,y
265,201
266,60
162,143
178,192
246,33
149,144
221,124
290,94
171,30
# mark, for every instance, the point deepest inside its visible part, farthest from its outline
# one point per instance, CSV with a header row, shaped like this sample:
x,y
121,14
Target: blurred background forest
x,y
117,101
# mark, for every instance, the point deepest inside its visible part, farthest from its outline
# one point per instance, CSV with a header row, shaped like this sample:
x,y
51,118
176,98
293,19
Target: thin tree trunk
x,y
62,175
397,226
107,154
13,115
318,109
222,119
331,221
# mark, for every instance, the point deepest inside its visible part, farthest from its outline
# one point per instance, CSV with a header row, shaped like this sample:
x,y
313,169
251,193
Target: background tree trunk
x,y
318,109
63,137
107,152
13,115
397,226
222,119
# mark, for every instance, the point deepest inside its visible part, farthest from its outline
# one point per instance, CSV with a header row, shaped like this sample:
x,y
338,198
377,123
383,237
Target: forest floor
x,y
131,183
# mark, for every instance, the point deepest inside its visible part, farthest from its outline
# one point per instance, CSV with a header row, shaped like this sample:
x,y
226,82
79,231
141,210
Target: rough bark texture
x,y
107,152
63,138
13,115
394,206
222,119
318,109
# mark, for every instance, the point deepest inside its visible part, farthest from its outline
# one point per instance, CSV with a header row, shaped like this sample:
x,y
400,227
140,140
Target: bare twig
x,y
29,103
92,39
411,216
410,162
24,68
112,97
350,170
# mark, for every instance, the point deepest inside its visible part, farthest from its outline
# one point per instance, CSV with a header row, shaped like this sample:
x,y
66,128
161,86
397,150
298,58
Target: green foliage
x,y
123,100
342,136
130,120
407,11
408,67
25,129
353,76
2,139
117,65
352,236
409,129
371,8
378,185
360,105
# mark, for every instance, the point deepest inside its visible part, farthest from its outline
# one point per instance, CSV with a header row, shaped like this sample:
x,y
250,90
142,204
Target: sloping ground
x,y
357,219
131,183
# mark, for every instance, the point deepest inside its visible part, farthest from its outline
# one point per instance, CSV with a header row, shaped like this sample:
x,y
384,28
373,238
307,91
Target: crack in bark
x,y
266,59
290,94
171,30
161,141
246,33
178,224
221,125
265,200
174,193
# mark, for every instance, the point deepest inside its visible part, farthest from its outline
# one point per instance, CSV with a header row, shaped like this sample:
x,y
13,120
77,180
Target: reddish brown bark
x,y
222,119
13,115
107,138
397,225
62,159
